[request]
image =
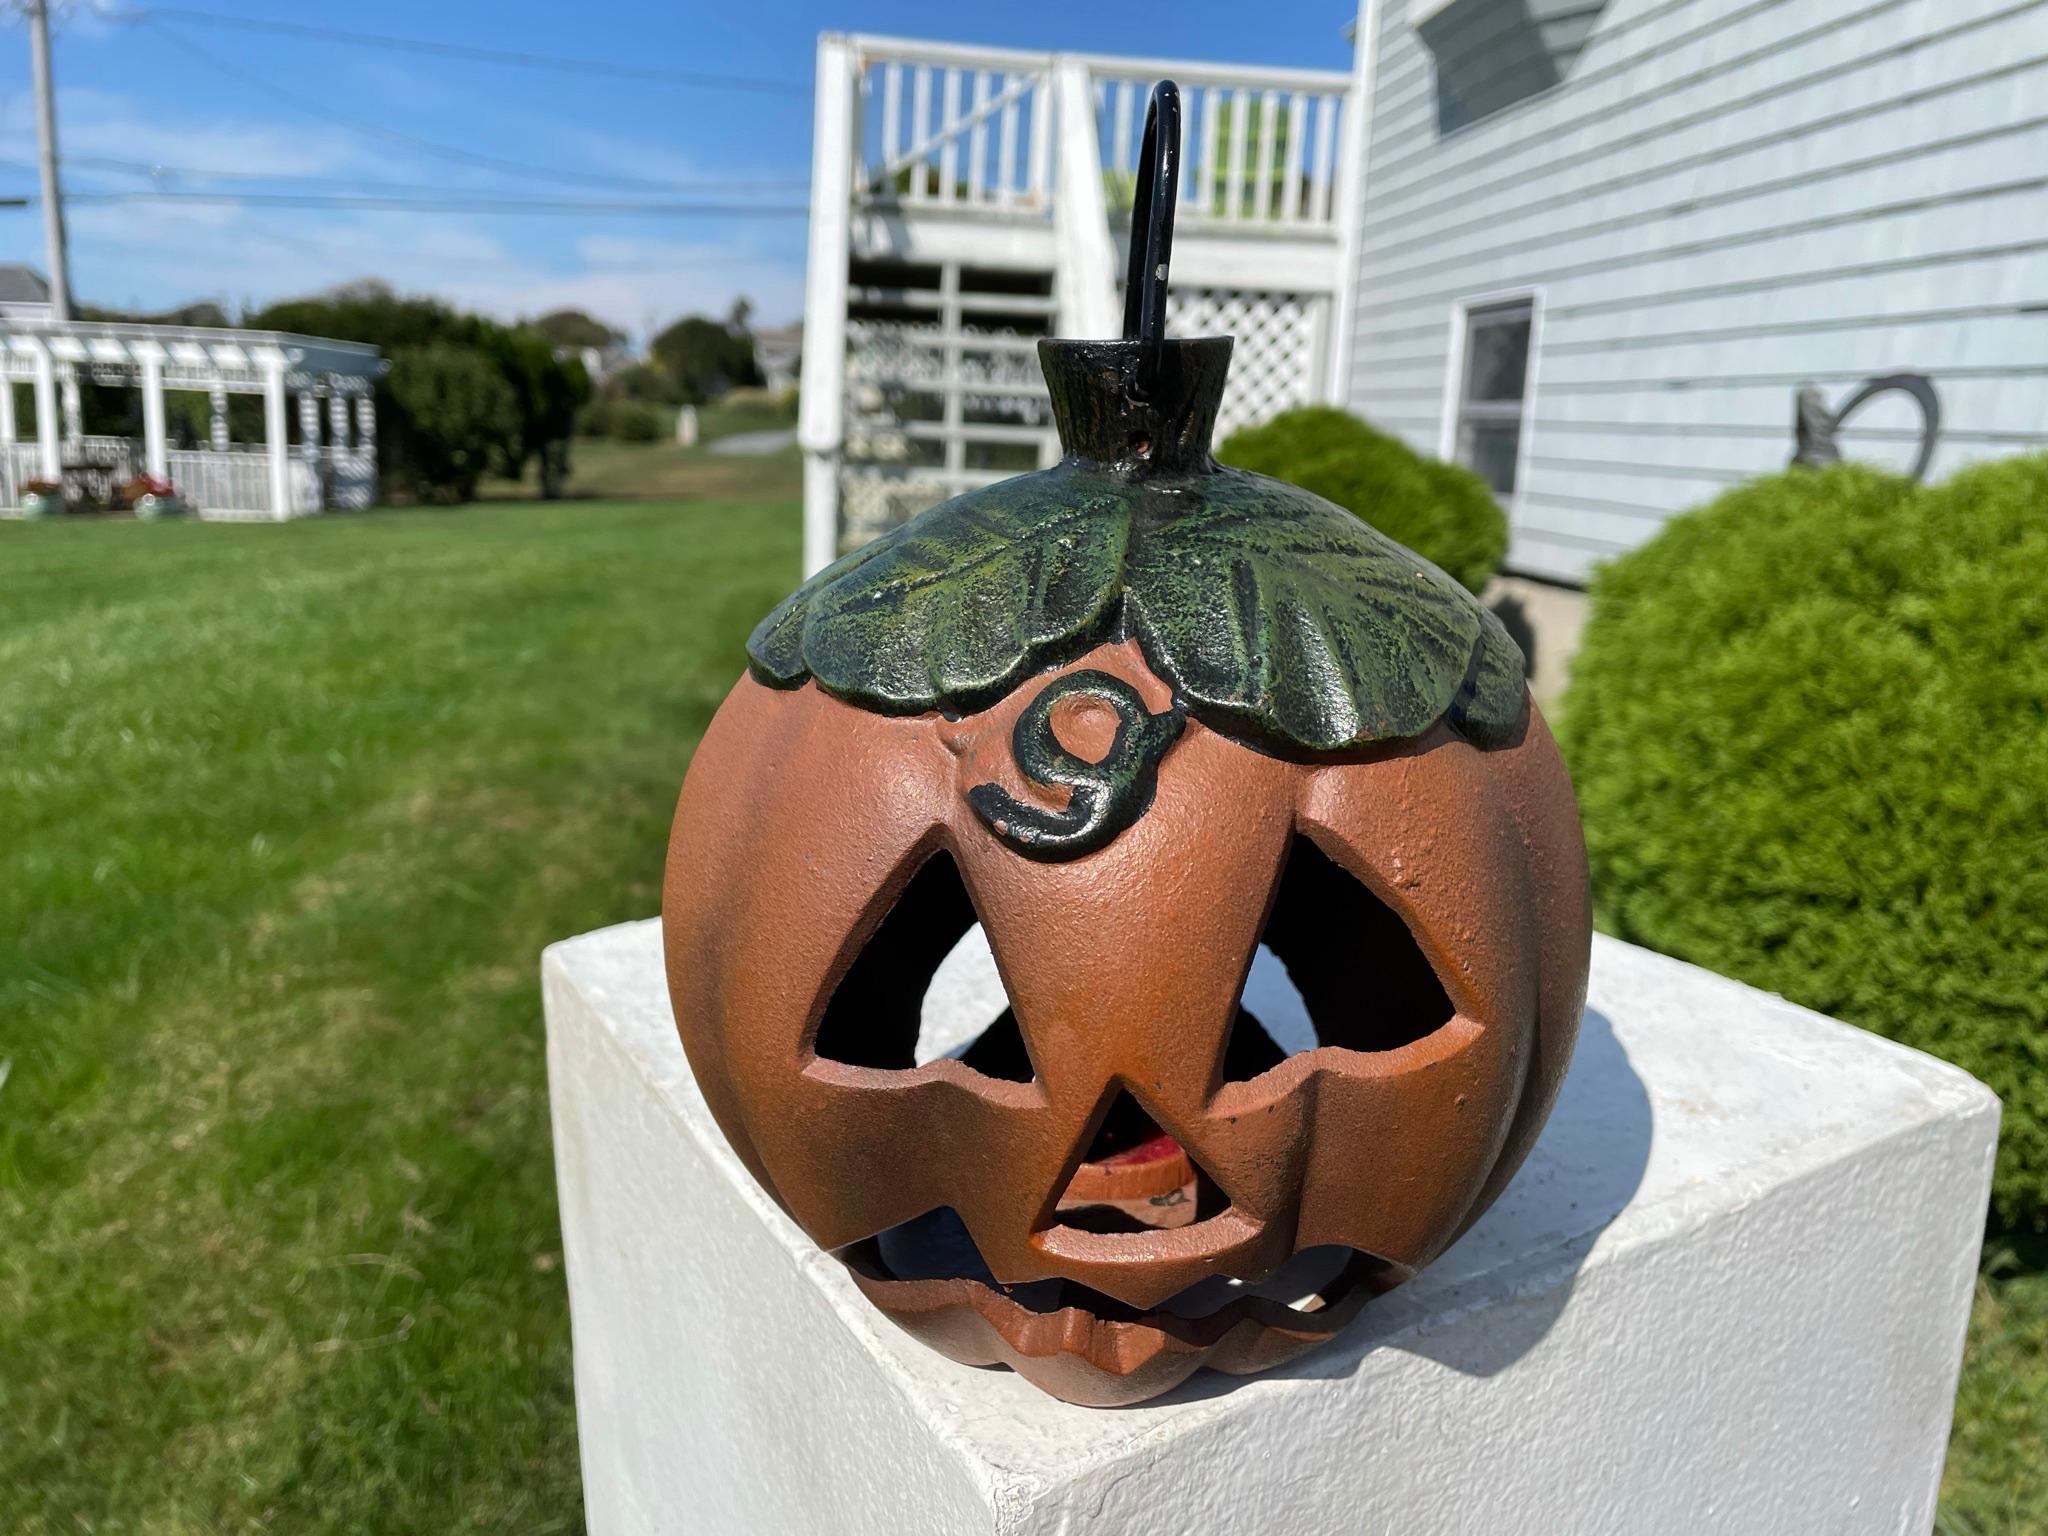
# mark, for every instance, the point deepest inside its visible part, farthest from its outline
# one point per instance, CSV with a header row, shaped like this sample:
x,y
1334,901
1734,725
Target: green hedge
x,y
625,421
1442,512
1809,727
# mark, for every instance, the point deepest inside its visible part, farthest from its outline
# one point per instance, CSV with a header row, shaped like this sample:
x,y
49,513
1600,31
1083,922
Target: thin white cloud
x,y
97,123
154,255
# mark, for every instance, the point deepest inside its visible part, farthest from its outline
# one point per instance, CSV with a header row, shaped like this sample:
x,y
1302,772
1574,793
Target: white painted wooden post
x,y
309,445
1086,254
366,424
155,452
1350,174
74,407
820,430
10,493
337,421
274,435
46,415
217,400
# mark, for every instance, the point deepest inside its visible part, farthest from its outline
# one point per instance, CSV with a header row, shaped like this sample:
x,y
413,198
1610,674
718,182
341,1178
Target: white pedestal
x,y
1727,1293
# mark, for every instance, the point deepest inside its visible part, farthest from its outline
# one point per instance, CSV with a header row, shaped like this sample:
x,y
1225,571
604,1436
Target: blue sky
x,y
186,96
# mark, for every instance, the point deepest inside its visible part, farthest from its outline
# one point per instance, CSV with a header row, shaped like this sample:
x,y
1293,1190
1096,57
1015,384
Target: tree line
x,y
464,396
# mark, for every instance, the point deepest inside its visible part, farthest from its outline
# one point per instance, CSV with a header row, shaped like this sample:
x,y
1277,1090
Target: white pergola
x,y
225,479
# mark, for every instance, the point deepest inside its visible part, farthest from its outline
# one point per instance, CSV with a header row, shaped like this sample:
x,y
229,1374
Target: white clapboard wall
x,y
1711,202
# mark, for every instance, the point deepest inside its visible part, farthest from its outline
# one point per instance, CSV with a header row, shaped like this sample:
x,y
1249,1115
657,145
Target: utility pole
x,y
46,133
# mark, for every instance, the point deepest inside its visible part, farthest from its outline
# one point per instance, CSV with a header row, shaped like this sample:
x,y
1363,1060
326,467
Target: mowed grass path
x,y
286,816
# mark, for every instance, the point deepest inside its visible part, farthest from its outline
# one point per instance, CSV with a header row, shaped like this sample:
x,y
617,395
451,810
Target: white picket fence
x,y
231,483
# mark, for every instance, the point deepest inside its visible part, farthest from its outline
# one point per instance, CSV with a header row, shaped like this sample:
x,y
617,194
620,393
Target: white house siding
x,y
1723,199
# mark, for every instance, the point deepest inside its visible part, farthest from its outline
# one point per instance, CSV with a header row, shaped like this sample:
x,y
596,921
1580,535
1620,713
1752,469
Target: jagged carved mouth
x,y
1134,1184
932,1258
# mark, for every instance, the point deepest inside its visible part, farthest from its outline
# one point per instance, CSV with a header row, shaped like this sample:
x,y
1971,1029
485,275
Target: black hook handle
x,y
1152,209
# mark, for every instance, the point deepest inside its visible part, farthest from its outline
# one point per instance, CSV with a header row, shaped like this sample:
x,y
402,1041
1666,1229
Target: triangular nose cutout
x,y
1135,1177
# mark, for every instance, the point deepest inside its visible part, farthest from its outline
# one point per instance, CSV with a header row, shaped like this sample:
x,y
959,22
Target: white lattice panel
x,y
1273,366
871,501
899,438
897,351
889,475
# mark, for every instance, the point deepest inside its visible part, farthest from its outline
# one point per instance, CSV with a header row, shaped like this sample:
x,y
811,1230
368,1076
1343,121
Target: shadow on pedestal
x,y
1501,1287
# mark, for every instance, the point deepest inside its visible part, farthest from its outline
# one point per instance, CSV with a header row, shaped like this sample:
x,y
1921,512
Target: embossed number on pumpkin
x,y
1105,797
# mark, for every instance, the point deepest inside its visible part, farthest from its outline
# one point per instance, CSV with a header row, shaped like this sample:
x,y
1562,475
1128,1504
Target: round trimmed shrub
x,y
595,419
633,422
1809,727
1444,513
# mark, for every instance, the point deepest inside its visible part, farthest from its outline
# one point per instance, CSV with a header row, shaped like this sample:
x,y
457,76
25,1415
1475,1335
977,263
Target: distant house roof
x,y
777,351
23,285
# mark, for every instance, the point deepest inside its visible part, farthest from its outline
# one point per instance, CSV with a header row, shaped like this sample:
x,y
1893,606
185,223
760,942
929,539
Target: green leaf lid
x,y
1277,617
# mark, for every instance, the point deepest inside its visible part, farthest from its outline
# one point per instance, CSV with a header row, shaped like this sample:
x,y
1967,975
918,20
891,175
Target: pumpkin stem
x,y
1106,418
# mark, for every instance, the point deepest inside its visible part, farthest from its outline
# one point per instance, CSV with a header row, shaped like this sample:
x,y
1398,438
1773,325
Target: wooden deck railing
x,y
975,128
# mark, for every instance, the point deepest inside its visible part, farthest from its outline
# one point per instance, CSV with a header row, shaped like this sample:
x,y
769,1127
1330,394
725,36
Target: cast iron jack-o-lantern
x,y
1279,869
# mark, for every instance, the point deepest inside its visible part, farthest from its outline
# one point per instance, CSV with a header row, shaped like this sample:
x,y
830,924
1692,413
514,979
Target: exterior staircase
x,y
967,201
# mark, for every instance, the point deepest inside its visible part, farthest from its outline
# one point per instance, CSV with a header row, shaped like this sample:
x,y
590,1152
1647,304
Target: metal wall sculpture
x,y
1816,430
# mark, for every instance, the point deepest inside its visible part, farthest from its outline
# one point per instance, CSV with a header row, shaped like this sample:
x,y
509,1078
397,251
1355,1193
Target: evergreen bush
x,y
1809,727
1444,513
463,417
634,422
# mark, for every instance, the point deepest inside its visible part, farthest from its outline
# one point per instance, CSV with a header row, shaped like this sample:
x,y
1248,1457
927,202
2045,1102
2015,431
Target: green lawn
x,y
663,471
289,813
1997,1478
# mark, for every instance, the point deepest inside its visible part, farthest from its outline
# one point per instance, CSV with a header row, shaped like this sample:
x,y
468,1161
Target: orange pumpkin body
x,y
1428,897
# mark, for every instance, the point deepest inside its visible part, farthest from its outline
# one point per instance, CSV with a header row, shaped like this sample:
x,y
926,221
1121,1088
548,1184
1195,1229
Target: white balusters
x,y
1326,158
920,128
1297,130
1007,183
1121,156
1269,123
977,140
892,112
1240,127
949,153
1041,141
1211,188
976,128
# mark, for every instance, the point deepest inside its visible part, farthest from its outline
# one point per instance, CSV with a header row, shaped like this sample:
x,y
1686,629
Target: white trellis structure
x,y
332,465
966,201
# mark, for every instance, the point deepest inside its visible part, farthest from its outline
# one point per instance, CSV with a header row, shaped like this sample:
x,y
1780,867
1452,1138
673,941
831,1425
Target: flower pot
x,y
41,504
160,506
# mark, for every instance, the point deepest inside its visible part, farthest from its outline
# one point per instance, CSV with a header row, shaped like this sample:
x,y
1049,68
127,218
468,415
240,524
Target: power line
x,y
378,204
156,170
448,152
705,79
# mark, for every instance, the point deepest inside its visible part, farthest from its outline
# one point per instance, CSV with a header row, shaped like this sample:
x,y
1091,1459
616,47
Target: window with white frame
x,y
1493,387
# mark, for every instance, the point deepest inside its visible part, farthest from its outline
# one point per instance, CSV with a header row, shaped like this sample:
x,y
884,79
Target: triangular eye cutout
x,y
1134,1177
1336,967
966,1014
923,986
